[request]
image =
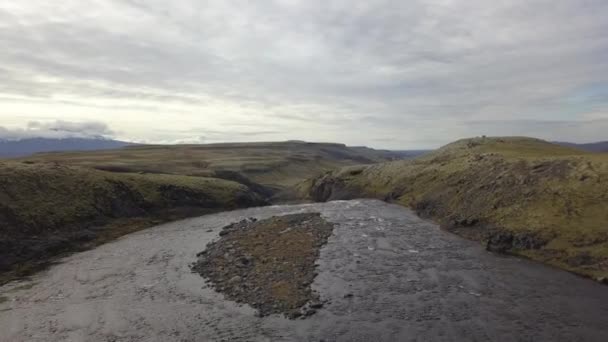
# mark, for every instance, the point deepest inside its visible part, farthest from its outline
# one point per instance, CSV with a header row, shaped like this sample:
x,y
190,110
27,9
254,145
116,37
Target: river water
x,y
387,276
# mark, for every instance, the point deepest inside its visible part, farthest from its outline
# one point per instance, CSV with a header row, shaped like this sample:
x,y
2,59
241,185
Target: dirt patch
x,y
268,264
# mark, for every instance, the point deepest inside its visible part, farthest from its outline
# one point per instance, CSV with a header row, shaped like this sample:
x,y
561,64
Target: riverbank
x,y
48,211
519,196
383,274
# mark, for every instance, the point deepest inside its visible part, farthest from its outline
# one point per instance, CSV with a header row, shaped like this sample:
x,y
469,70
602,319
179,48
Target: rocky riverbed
x,y
268,264
384,275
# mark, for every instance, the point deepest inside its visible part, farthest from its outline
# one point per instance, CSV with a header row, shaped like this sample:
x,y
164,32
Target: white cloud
x,y
386,73
57,129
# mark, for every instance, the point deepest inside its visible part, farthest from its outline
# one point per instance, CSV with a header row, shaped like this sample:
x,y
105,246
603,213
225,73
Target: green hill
x,y
518,195
46,209
274,166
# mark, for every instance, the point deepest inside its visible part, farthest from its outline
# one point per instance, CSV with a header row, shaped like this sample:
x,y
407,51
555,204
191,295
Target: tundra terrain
x,y
517,195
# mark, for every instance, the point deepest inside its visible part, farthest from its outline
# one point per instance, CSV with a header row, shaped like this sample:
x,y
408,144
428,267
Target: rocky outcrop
x,y
327,187
504,242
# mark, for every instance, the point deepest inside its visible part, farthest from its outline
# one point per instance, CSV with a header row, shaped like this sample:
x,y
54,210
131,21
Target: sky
x,y
390,74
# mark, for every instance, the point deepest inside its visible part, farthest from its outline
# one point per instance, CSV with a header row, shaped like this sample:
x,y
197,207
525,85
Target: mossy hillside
x,y
46,209
51,195
544,201
272,164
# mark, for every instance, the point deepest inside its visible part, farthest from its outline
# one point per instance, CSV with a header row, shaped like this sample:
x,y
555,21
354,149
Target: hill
x,y
46,210
517,195
26,147
275,166
601,146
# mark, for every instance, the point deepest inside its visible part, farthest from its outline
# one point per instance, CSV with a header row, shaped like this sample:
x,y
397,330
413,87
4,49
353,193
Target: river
x,y
387,276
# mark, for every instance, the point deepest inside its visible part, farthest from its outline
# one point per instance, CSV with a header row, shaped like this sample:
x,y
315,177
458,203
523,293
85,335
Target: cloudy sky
x,y
393,74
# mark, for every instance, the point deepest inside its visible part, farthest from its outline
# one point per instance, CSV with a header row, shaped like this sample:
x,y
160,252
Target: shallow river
x,y
387,274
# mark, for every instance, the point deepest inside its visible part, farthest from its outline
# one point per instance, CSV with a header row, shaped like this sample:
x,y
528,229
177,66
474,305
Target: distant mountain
x,y
26,147
601,146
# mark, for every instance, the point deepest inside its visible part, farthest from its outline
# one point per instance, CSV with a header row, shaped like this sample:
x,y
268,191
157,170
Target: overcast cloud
x,y
394,74
58,129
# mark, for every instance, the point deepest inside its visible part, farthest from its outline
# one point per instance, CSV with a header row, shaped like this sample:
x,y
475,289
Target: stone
x,y
316,305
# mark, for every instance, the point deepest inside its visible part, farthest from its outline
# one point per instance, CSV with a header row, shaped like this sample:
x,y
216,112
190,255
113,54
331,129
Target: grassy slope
x,y
277,165
48,209
521,195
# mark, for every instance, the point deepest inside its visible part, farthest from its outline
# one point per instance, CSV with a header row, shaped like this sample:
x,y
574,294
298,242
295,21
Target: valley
x,y
52,204
77,259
